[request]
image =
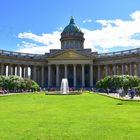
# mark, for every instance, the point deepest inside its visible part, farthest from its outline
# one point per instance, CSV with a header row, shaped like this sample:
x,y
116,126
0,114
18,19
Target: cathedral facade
x,y
82,67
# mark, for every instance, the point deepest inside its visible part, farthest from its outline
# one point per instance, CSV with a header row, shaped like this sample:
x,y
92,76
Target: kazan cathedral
x,y
82,67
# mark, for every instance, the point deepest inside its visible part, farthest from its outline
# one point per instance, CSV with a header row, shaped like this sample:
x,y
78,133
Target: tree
x,y
34,86
118,81
13,82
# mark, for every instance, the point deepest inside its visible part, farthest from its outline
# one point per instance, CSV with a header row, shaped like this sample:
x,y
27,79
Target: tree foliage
x,y
118,81
13,82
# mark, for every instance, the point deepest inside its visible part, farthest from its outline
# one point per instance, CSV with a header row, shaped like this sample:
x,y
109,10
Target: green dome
x,y
72,37
71,28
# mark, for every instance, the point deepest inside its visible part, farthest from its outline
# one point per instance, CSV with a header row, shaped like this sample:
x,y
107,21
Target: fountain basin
x,y
59,93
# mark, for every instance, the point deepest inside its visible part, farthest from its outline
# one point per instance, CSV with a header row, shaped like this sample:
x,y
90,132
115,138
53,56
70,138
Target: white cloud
x,y
27,47
113,33
47,41
135,15
87,20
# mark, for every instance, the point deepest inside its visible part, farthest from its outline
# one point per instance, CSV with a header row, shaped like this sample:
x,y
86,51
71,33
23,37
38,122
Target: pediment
x,y
69,55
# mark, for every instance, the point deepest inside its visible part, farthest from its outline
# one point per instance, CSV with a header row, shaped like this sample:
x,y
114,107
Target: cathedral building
x,y
82,67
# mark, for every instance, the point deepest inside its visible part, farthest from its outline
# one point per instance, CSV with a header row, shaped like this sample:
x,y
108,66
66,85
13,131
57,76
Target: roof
x,y
72,27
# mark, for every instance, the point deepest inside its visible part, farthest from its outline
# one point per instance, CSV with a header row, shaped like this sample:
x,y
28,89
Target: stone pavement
x,y
116,95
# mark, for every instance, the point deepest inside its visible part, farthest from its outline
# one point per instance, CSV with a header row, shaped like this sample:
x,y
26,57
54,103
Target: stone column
x,y
34,73
49,76
22,71
9,69
13,70
123,69
83,75
138,69
57,75
130,69
26,72
18,70
133,69
66,71
115,69
99,72
106,70
91,75
42,76
2,69
74,75
31,72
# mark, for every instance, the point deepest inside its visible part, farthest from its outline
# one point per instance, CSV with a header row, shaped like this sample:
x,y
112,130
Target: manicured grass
x,y
76,117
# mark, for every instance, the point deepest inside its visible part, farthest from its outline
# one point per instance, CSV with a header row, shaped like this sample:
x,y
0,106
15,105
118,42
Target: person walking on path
x,y
132,93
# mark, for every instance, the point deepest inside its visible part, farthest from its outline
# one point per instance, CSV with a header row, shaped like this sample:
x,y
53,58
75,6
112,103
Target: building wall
x,y
80,72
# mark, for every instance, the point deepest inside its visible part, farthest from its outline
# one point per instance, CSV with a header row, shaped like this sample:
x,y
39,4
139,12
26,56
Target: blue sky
x,y
34,26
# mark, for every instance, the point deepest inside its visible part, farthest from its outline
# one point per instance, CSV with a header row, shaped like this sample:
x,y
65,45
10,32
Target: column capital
x,y
74,64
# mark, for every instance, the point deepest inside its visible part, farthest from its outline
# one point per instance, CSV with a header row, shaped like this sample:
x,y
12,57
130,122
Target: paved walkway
x,y
9,94
116,95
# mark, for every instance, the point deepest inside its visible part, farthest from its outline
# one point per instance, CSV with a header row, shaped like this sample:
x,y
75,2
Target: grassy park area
x,y
73,117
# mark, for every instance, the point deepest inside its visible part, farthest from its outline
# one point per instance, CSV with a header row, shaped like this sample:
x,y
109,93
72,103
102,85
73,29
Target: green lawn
x,y
75,117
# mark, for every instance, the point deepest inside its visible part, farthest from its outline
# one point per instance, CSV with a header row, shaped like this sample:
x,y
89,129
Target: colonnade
x,y
64,68
33,72
12,69
118,69
79,75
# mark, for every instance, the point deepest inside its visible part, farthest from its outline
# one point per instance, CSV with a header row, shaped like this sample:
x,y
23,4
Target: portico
x,y
78,75
77,67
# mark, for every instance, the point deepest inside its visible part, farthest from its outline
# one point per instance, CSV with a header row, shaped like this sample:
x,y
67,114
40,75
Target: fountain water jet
x,y
64,89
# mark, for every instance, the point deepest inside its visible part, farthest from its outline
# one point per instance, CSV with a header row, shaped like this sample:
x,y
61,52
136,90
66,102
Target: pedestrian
x,y
132,92
107,90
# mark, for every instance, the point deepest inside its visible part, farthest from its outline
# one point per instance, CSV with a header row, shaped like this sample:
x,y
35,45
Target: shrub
x,y
138,90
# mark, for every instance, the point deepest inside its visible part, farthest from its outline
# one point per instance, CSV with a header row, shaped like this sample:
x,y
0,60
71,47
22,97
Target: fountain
x,y
64,89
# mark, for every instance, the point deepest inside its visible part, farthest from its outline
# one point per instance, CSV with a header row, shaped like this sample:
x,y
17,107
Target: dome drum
x,y
72,37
